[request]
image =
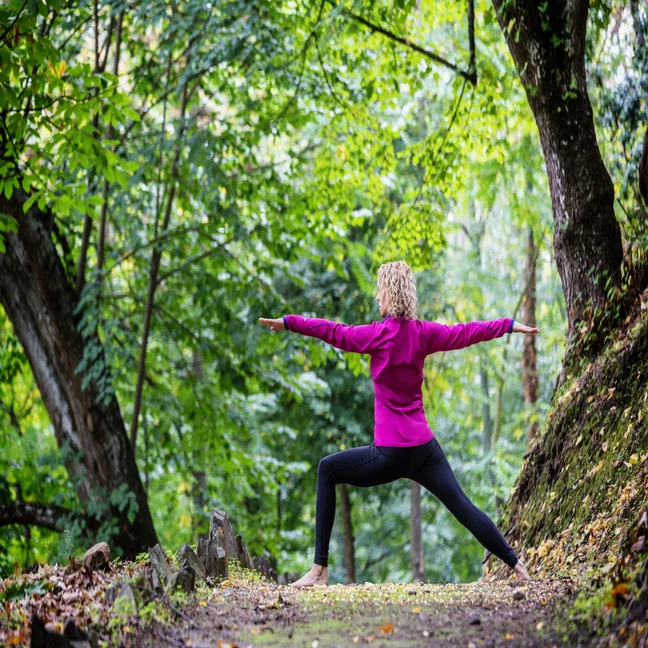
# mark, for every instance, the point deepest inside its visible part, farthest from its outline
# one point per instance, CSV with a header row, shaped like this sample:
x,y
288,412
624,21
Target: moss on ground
x,y
575,507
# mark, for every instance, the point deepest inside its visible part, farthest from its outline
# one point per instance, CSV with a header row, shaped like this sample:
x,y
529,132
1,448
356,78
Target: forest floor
x,y
246,611
473,615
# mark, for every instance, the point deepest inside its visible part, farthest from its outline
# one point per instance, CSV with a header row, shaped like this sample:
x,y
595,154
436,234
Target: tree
x,y
529,352
41,304
547,42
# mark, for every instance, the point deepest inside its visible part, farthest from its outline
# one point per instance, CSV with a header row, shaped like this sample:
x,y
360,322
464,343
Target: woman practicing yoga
x,y
404,445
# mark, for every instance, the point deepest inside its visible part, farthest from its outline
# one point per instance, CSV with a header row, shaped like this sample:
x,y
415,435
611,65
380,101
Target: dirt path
x,y
474,615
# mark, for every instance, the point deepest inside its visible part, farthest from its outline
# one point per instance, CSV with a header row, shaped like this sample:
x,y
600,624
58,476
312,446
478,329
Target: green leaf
x,y
30,201
131,113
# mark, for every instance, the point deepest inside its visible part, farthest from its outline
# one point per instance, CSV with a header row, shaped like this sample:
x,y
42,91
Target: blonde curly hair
x,y
400,289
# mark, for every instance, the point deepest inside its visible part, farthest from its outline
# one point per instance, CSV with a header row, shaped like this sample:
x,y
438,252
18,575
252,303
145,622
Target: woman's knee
x,y
325,468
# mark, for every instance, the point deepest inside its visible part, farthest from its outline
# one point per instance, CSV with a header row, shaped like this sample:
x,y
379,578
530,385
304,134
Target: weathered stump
x,y
242,554
220,522
160,568
187,558
264,567
184,578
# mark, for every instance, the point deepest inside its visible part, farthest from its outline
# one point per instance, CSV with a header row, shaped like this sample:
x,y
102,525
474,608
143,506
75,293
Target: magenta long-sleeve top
x,y
398,348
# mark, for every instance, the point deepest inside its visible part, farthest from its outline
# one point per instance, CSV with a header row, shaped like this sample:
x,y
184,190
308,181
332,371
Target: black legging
x,y
425,464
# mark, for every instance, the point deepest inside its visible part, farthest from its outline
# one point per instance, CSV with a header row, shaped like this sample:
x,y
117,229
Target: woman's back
x,y
398,348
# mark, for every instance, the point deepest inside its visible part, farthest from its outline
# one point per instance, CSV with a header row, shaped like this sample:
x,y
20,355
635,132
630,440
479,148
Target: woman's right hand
x,y
274,324
523,328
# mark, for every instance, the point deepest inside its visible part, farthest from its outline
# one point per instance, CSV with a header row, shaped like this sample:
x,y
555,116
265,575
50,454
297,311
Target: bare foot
x,y
521,572
317,575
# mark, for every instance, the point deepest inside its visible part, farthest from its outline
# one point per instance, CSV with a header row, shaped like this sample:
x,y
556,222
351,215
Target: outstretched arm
x,y
442,337
357,339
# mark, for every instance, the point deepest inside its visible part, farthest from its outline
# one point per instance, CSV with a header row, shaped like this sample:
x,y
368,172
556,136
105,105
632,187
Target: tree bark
x,y
46,516
643,171
110,133
418,561
547,42
347,529
529,352
40,303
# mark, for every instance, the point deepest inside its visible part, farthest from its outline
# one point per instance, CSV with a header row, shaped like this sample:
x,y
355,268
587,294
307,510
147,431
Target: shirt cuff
x,y
511,327
285,321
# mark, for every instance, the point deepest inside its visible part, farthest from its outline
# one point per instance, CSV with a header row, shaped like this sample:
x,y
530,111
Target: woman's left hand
x,y
274,324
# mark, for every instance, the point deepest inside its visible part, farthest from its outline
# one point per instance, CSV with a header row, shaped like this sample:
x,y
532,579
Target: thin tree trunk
x,y
87,221
40,303
547,42
487,421
200,476
418,561
109,135
529,353
347,529
155,264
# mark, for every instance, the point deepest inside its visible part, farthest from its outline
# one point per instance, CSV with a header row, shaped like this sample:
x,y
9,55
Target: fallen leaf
x,y
356,639
416,610
539,625
508,635
203,603
386,628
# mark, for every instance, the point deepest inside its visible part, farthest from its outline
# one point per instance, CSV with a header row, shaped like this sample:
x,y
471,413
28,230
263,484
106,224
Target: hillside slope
x,y
579,505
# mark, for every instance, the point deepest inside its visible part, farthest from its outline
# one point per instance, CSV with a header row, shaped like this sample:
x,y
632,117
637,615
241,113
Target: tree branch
x,y
15,20
46,516
469,75
472,66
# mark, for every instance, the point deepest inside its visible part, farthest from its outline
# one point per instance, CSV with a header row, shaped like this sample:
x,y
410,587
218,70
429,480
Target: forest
x,y
170,173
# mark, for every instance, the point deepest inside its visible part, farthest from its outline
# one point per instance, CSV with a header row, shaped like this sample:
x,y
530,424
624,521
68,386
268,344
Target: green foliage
x,y
294,151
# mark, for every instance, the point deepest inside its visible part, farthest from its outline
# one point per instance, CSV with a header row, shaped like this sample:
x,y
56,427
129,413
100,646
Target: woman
x,y
404,445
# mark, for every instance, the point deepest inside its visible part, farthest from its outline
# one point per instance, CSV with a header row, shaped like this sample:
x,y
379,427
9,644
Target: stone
x,y
202,542
518,596
187,558
160,568
122,592
242,554
79,638
264,567
290,577
220,522
97,557
217,563
111,593
184,578
475,621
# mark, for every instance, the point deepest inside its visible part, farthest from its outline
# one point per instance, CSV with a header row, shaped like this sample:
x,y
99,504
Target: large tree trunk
x,y
40,303
347,529
418,562
643,171
529,353
548,47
